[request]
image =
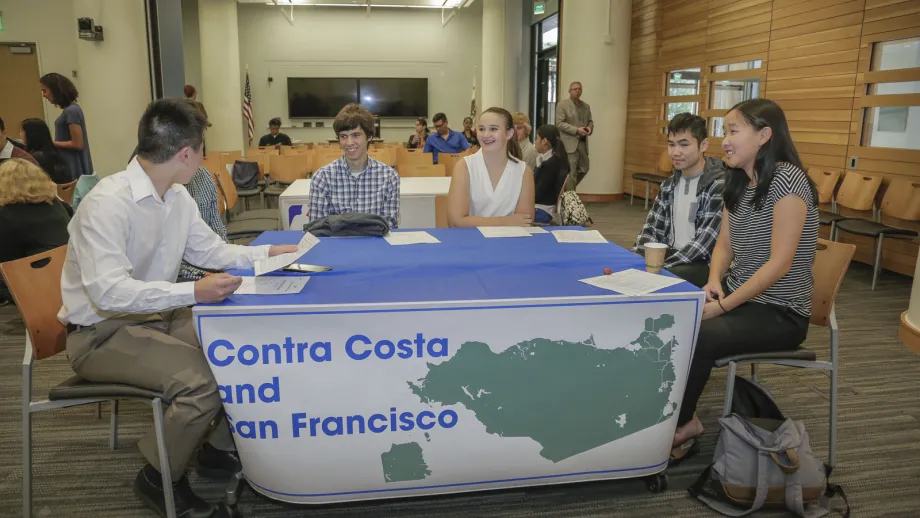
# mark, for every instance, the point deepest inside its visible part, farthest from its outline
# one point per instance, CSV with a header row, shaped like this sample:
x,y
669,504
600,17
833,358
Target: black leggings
x,y
750,328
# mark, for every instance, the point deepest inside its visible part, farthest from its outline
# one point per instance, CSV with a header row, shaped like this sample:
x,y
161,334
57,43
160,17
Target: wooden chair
x,y
385,155
227,157
246,226
35,284
664,169
857,193
324,157
901,201
826,183
449,160
65,191
831,263
287,170
423,170
263,150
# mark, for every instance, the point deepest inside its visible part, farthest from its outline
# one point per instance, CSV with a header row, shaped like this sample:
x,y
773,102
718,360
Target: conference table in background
x,y
422,203
475,363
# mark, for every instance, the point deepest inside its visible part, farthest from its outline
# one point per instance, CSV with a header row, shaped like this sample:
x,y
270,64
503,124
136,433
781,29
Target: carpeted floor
x,y
75,475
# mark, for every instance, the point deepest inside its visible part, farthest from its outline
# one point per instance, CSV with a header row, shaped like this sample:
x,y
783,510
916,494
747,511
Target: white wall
x,y
348,42
52,26
112,76
115,87
594,50
191,43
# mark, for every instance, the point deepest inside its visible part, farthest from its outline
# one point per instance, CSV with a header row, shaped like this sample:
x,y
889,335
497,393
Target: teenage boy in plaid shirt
x,y
687,213
355,182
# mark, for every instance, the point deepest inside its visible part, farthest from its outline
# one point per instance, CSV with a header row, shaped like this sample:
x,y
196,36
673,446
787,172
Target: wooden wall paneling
x,y
816,26
785,18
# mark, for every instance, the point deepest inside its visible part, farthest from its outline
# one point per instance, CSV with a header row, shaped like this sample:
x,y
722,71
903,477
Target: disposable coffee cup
x,y
654,257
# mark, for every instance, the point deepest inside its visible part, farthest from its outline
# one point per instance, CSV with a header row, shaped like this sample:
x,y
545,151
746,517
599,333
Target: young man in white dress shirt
x,y
128,320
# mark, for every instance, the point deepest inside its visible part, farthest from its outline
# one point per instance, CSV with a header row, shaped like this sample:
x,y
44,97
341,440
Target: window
x,y
549,32
896,54
726,94
893,126
683,83
744,65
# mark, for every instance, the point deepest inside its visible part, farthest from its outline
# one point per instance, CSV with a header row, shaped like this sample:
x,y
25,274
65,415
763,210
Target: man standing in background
x,y
573,118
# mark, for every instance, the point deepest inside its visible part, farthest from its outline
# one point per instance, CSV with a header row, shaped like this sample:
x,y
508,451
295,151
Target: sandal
x,y
683,451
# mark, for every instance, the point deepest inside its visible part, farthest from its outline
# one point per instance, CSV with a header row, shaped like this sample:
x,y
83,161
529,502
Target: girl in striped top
x,y
768,237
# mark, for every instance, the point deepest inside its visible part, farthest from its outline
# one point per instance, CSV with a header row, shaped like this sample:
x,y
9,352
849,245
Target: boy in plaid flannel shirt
x,y
687,213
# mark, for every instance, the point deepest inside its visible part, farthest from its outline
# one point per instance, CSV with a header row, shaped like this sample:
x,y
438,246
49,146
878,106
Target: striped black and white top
x,y
751,232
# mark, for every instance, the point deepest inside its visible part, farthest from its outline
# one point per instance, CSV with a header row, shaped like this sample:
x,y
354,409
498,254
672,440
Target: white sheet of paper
x,y
307,242
504,231
270,264
535,230
579,236
632,282
278,262
271,285
410,238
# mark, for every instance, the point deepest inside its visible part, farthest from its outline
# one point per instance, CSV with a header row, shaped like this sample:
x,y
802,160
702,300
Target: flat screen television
x,y
392,97
320,96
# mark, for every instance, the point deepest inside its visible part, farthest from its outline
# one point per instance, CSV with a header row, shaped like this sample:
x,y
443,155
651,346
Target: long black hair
x,y
760,114
41,146
551,133
514,149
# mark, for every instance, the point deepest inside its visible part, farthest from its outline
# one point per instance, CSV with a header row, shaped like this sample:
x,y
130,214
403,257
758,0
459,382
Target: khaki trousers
x,y
158,352
578,165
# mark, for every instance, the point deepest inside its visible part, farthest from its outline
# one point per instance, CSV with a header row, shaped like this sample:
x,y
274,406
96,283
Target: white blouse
x,y
502,200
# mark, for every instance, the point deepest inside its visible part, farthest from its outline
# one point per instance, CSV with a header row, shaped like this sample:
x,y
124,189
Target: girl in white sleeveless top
x,y
493,187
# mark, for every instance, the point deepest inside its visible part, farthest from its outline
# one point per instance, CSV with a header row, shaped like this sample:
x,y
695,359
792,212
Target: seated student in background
x,y
129,321
687,213
767,247
522,129
275,137
492,187
37,138
355,182
9,150
444,140
204,191
552,170
417,139
32,218
468,132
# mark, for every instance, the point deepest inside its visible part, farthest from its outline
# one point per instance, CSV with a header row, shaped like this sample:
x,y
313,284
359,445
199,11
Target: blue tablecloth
x,y
464,266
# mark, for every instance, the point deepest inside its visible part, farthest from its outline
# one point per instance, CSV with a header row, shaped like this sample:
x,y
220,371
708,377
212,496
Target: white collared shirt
x,y
543,157
7,150
126,246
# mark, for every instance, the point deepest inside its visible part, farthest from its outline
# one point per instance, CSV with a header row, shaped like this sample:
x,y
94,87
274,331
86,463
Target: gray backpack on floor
x,y
764,460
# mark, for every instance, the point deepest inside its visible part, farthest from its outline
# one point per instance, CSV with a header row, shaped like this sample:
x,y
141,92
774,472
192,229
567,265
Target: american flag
x,y
247,108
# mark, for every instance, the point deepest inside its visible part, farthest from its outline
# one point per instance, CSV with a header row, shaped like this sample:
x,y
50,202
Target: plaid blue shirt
x,y
335,190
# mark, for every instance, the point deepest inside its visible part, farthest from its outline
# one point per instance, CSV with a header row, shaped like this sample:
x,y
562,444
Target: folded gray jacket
x,y
350,224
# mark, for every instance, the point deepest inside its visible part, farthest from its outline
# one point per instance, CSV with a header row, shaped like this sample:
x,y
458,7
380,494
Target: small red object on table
x,y
607,271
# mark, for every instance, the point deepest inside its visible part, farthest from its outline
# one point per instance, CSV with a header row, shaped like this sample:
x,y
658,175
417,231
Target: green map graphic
x,y
404,462
569,397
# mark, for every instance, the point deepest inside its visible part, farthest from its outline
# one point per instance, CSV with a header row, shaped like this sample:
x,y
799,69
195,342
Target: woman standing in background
x,y
70,127
37,138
